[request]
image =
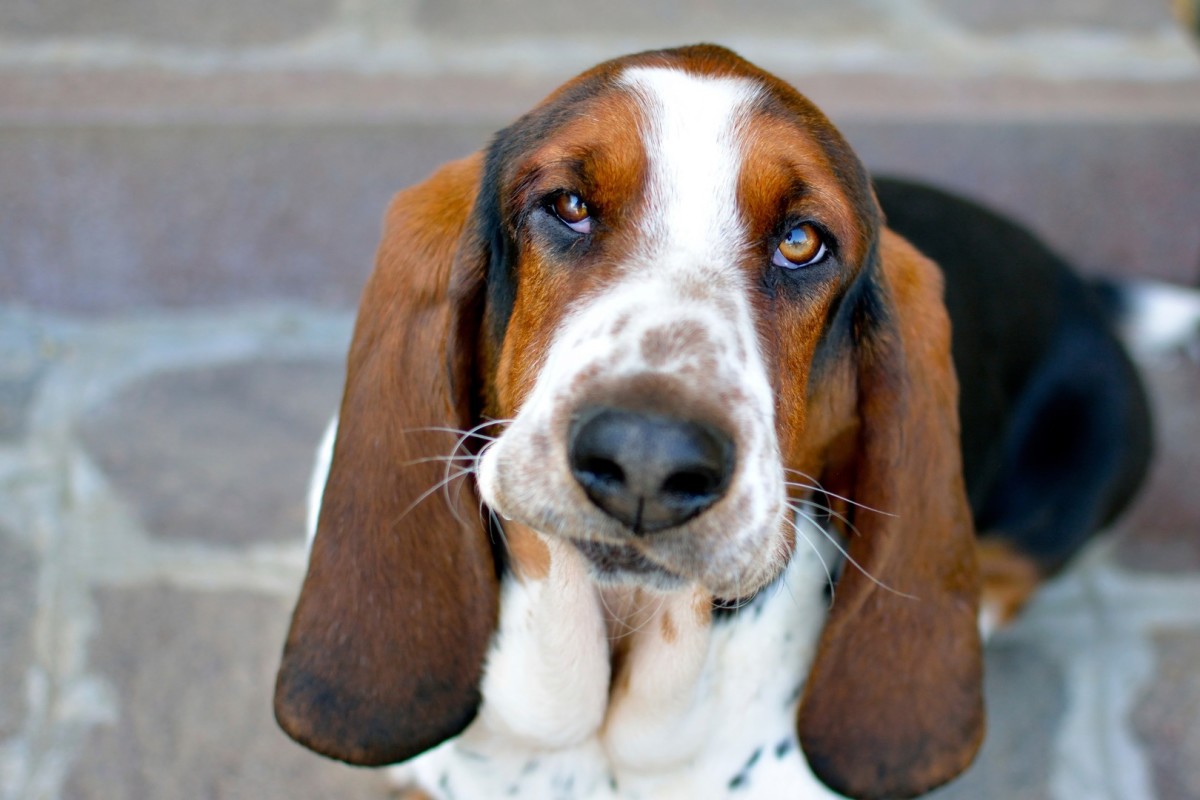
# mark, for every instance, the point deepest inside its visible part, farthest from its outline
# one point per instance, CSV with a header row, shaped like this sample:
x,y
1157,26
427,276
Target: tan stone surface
x,y
1161,533
220,454
1025,702
18,604
199,215
1168,718
193,673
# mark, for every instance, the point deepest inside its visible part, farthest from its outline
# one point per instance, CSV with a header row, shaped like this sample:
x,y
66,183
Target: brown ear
x,y
384,656
893,704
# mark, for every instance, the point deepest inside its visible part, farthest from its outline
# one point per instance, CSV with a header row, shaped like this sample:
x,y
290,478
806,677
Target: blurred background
x,y
190,198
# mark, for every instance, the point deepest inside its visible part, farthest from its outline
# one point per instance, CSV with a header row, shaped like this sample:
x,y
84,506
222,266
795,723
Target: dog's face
x,y
675,247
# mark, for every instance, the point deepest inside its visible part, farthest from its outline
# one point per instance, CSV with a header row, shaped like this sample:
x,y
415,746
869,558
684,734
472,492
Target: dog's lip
x,y
611,559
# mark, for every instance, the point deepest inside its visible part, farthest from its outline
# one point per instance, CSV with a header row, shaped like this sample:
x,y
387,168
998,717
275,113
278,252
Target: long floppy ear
x,y
385,652
893,704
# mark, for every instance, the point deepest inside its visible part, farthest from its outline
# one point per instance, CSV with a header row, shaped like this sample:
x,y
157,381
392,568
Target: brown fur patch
x,y
413,794
1009,578
669,632
670,342
529,554
393,570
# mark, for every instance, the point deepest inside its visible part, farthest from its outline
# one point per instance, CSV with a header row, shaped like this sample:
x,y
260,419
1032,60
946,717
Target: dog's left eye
x,y
570,208
802,247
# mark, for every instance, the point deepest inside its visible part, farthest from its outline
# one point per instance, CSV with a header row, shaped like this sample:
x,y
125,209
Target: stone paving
x,y
151,499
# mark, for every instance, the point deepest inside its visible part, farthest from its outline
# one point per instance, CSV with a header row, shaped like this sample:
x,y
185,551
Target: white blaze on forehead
x,y
694,153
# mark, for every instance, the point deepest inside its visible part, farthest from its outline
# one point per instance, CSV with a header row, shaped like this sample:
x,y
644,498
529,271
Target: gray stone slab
x,y
1117,199
1167,720
217,454
223,22
101,218
104,218
194,676
675,21
18,605
1026,699
24,357
16,394
157,95
1025,16
1159,532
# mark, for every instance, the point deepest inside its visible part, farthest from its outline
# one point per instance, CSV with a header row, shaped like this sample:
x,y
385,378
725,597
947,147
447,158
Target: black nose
x,y
649,471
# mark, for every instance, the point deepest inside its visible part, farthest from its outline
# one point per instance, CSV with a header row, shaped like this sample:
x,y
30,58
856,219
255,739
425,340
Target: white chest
x,y
695,710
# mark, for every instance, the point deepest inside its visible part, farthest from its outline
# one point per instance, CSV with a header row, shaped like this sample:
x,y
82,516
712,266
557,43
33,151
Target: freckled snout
x,y
649,471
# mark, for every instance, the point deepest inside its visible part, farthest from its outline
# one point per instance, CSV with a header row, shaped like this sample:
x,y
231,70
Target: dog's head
x,y
670,286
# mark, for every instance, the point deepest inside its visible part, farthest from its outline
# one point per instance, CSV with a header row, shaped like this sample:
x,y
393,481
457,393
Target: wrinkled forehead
x,y
693,130
690,143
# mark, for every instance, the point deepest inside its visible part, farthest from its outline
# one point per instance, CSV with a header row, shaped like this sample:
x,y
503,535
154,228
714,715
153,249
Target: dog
x,y
648,479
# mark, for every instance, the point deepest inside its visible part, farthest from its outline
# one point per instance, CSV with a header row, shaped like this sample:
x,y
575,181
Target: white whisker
x,y
463,472
845,554
816,487
816,550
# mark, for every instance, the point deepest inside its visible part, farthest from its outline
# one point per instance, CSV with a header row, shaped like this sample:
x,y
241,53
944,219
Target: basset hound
x,y
647,479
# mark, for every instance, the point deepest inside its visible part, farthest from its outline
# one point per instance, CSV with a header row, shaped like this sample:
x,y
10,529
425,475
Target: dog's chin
x,y
622,565
618,565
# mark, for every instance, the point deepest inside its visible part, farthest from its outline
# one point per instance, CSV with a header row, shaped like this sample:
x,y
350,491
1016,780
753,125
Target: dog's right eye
x,y
573,211
802,247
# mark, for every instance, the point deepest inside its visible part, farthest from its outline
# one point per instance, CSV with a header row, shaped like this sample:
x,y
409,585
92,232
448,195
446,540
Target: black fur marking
x,y
859,309
742,779
471,755
728,610
783,748
1055,426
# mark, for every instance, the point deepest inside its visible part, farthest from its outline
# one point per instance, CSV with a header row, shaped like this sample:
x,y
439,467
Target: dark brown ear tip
x,y
361,729
882,786
888,771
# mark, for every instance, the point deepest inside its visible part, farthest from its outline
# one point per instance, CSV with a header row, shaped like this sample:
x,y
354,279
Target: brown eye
x,y
801,247
570,208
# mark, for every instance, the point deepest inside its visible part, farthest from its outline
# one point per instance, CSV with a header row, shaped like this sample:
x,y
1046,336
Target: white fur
x,y
1160,317
697,711
316,481
550,650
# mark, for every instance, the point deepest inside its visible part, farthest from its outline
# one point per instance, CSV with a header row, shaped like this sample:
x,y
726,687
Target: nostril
x,y
692,483
600,470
